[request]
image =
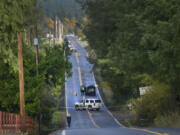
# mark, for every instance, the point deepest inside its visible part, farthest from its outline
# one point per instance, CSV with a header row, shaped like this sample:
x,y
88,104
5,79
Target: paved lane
x,y
105,131
79,119
82,75
91,122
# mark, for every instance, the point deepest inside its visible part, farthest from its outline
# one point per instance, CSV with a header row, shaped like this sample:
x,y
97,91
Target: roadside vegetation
x,y
68,11
136,44
43,91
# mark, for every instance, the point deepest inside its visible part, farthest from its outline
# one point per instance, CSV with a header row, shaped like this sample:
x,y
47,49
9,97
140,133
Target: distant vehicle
x,y
70,46
69,34
72,49
90,91
90,104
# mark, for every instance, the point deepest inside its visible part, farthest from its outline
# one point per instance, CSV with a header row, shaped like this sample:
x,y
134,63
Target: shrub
x,y
58,119
155,102
170,120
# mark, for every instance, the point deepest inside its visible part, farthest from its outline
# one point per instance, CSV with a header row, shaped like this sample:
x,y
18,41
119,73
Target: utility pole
x,y
61,32
55,27
37,60
37,51
50,39
21,75
37,71
58,31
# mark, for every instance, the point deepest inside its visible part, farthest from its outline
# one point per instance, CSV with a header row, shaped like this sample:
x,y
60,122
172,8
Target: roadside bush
x,y
170,120
156,102
58,119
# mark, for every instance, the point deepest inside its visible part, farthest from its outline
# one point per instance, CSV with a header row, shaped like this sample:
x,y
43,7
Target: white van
x,y
90,104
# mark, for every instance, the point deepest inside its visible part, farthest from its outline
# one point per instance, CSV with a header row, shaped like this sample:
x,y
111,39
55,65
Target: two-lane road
x,y
82,74
90,122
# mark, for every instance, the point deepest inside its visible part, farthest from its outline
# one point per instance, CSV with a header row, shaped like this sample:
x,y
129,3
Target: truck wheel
x,y
97,109
89,107
76,107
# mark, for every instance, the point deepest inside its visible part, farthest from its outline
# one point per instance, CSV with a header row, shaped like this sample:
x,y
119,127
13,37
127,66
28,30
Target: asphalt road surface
x,y
93,122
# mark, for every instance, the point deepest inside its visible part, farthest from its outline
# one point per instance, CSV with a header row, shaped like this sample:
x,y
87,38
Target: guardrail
x,y
15,123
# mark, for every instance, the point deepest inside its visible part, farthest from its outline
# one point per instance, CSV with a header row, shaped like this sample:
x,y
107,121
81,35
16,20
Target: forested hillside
x,y
137,44
62,8
68,11
42,90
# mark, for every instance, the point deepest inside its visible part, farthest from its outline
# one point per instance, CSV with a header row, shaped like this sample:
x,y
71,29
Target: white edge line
x,y
65,101
121,125
64,132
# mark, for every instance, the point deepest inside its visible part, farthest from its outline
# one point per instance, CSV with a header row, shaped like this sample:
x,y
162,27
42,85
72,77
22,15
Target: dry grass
x,y
171,120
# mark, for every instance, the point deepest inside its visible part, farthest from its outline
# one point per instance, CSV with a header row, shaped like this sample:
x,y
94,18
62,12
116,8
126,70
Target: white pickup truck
x,y
90,104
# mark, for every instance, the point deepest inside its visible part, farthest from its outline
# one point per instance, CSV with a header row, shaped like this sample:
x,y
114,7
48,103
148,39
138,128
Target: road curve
x,y
92,122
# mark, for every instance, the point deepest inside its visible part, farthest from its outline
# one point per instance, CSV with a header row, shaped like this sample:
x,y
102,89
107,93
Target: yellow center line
x,y
80,79
149,131
77,59
94,123
90,114
79,70
71,91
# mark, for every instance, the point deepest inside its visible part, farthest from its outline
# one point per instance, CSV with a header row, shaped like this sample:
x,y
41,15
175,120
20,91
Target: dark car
x,y
90,90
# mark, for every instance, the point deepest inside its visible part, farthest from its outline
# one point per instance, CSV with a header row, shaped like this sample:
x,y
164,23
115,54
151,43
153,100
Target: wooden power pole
x,y
21,75
37,51
37,60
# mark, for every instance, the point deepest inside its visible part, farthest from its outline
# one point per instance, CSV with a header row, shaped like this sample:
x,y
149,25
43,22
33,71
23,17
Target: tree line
x,y
137,43
42,92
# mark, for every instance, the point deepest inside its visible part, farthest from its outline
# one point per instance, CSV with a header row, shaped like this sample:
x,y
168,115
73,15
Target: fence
x,y
15,123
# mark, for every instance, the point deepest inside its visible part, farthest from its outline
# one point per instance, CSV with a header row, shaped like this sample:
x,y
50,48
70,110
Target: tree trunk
x,y
37,60
37,53
21,75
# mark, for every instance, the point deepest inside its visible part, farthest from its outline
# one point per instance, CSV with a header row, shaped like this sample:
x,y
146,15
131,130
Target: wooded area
x,y
68,11
41,91
137,43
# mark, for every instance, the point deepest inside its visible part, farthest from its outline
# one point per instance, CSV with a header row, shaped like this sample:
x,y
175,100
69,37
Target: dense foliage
x,y
68,11
42,92
62,8
15,16
136,42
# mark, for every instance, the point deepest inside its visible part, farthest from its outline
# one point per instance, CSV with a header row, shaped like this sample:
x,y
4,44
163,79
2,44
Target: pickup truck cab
x,y
90,104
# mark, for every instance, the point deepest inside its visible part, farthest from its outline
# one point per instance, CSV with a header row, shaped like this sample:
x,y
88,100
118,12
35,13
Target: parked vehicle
x,y
90,104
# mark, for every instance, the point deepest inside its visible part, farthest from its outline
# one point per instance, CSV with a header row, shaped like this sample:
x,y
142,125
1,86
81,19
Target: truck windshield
x,y
91,101
98,101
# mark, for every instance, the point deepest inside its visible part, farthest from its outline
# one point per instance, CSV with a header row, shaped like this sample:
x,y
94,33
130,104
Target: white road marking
x,y
90,115
121,125
80,79
66,93
63,132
